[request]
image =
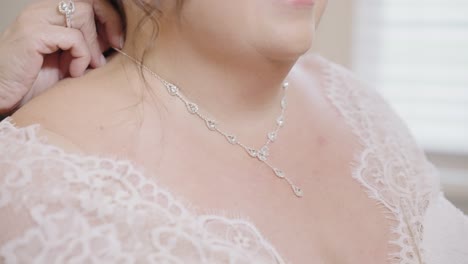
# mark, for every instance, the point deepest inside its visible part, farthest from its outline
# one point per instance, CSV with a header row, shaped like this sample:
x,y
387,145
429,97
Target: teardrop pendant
x,y
272,136
279,173
263,153
298,191
280,121
211,124
231,139
252,153
284,103
172,89
192,108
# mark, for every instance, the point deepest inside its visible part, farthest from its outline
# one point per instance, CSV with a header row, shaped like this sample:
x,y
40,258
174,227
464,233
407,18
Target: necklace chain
x,y
260,154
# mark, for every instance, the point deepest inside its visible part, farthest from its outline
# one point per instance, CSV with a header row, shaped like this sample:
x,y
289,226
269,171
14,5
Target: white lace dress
x,y
61,208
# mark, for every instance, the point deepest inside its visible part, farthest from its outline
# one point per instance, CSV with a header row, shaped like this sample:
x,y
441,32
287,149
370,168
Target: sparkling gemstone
x,y
298,191
285,85
63,6
172,89
211,124
67,7
272,136
284,103
263,153
232,139
279,173
265,150
280,121
252,152
192,108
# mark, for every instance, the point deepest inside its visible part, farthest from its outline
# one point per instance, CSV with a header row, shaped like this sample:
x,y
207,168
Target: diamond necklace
x,y
261,154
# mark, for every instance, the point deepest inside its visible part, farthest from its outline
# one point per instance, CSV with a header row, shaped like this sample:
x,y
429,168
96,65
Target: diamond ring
x,y
67,8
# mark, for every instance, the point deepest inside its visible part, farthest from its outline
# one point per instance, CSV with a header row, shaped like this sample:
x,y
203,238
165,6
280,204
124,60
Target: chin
x,y
282,32
287,45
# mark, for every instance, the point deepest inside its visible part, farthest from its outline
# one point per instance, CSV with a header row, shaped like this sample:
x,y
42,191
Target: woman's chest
x,y
334,222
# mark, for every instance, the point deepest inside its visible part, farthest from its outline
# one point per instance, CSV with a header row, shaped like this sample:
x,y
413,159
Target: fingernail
x,y
103,60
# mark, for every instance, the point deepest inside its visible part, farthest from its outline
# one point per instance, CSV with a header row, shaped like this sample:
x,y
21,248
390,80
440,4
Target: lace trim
x,y
391,167
110,203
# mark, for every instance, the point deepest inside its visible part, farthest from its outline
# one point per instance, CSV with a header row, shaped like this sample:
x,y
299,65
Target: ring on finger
x,y
67,8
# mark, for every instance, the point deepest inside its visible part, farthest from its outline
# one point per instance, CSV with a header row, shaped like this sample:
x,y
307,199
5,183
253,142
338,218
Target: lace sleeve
x,y
395,172
445,233
61,208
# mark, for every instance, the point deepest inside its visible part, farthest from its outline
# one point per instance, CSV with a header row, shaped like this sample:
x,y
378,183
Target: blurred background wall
x,y
415,53
9,9
379,41
335,32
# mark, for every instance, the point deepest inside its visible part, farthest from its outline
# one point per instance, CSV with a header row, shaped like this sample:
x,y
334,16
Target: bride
x,y
214,137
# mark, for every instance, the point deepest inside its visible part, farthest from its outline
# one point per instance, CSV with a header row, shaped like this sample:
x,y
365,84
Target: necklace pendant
x,y
298,191
211,124
172,89
279,173
280,121
284,103
263,153
192,108
252,152
272,136
231,139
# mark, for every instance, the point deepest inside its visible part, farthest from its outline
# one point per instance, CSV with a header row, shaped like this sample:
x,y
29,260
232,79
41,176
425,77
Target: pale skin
x,y
234,69
37,50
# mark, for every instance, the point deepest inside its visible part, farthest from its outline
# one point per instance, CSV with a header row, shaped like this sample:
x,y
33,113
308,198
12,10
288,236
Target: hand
x,y
38,50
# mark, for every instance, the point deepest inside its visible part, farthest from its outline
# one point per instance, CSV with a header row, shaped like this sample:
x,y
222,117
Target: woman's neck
x,y
229,85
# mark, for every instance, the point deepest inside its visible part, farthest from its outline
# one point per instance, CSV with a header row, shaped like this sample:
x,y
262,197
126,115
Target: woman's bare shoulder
x,y
56,112
70,109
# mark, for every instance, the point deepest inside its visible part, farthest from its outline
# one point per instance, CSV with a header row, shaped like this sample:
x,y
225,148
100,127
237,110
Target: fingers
x,y
36,38
60,38
84,21
108,19
43,16
108,16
